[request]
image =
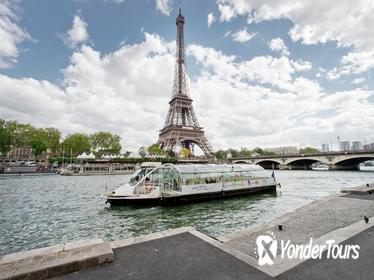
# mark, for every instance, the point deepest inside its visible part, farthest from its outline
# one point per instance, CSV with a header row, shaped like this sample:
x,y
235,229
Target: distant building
x,y
368,147
356,146
21,153
284,151
325,148
345,146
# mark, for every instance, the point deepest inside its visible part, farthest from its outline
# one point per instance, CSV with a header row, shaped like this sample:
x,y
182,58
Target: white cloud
x,y
277,45
77,34
256,102
164,6
211,19
358,81
126,92
227,33
347,23
11,35
243,36
241,109
301,65
260,69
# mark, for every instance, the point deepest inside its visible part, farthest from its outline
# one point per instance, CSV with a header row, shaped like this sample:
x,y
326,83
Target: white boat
x,y
171,183
367,166
320,167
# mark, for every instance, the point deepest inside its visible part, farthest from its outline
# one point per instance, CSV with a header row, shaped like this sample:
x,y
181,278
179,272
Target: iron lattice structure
x,y
181,125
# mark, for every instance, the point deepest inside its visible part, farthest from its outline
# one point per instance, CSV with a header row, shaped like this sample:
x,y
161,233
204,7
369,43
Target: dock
x,y
186,253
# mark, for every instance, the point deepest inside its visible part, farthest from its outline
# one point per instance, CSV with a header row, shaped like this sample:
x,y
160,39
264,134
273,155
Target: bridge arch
x,y
352,162
303,163
269,164
241,161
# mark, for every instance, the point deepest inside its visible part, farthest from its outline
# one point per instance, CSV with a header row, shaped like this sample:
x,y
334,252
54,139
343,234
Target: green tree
x,y
155,149
6,139
309,150
258,150
143,151
233,152
221,154
268,153
244,152
77,143
54,136
38,141
105,142
21,133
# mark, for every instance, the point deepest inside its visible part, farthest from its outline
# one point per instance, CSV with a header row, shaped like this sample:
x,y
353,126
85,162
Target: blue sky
x,y
263,73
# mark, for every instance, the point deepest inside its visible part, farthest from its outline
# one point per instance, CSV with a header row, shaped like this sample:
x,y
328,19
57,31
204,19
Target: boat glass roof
x,y
214,168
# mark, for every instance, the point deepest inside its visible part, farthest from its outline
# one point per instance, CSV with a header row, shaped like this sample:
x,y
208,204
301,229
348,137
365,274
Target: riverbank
x,y
186,253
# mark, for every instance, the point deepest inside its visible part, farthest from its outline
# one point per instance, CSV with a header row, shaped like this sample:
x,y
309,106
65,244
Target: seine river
x,y
37,211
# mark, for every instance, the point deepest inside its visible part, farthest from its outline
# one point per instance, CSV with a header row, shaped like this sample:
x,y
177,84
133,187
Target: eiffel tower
x,y
181,126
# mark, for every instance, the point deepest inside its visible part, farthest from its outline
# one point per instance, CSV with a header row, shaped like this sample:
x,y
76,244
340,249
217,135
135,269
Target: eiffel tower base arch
x,y
172,137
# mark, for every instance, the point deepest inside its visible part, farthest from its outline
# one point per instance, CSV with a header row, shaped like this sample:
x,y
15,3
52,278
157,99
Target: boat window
x,y
156,177
137,176
172,179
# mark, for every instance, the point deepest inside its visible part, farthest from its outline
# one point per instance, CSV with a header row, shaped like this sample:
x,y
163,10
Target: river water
x,y
37,211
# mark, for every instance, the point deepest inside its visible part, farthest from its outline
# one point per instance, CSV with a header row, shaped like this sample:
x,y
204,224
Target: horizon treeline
x,y
14,134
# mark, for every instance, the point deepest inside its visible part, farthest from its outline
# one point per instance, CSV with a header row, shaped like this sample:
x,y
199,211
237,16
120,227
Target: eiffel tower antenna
x,y
181,125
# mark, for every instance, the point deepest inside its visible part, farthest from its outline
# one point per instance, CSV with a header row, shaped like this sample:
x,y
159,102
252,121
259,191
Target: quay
x,y
186,253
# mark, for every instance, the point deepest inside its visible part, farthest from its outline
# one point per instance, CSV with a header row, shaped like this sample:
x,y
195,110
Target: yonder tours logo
x,y
267,246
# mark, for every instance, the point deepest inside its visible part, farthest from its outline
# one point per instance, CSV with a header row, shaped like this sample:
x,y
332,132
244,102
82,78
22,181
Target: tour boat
x,y
178,183
320,167
367,166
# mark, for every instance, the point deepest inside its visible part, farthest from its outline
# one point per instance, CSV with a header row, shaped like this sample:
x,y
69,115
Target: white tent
x,y
85,156
134,155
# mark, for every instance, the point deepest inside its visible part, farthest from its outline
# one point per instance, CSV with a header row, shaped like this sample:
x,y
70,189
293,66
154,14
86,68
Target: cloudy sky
x,y
262,73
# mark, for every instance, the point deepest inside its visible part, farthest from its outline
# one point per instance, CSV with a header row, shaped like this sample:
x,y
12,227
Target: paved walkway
x,y
329,269
313,220
181,256
336,217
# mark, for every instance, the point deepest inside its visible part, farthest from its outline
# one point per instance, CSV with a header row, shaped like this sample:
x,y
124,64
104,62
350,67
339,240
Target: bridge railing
x,y
307,155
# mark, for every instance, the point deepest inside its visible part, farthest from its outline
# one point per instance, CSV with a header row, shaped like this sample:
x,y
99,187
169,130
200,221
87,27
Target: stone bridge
x,y
335,160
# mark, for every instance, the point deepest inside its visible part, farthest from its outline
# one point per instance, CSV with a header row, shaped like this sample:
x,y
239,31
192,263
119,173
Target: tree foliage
x,y
38,141
221,154
21,133
54,136
143,150
155,150
77,143
309,150
106,143
5,138
258,150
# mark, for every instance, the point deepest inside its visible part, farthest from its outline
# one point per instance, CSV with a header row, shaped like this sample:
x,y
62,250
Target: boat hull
x,y
182,199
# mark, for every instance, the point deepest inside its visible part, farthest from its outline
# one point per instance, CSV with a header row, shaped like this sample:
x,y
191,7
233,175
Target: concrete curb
x,y
152,236
55,260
